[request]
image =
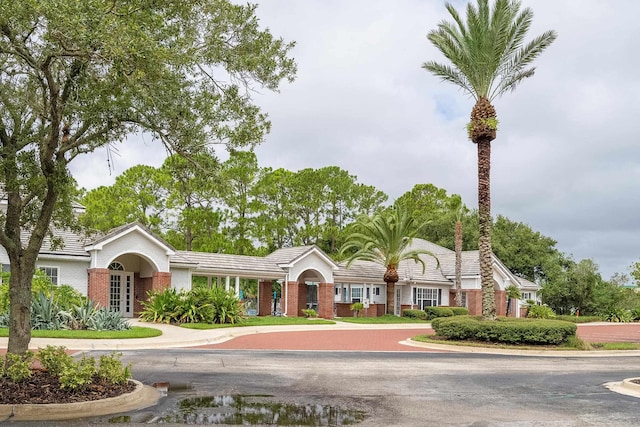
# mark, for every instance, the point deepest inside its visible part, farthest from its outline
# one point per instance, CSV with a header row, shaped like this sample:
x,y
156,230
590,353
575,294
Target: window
x,y
337,291
376,290
4,277
356,294
52,272
527,295
426,297
117,266
464,299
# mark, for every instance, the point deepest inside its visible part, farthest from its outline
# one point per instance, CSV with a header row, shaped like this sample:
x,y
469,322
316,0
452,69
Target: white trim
x,y
99,246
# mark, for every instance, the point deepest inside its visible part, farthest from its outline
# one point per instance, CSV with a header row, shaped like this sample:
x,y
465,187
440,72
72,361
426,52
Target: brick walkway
x,y
388,340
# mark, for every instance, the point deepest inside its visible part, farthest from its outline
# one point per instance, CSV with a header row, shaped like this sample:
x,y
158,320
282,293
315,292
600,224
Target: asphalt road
x,y
396,389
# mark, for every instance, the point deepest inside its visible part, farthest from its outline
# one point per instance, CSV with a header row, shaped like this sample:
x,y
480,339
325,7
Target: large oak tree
x,y
77,75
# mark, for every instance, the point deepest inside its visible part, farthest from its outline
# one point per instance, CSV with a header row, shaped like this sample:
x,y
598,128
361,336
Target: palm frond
x,y
486,50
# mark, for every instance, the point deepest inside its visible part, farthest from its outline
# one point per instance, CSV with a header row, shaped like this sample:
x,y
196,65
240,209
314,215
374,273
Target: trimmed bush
x,y
434,312
414,314
505,330
459,311
540,312
578,319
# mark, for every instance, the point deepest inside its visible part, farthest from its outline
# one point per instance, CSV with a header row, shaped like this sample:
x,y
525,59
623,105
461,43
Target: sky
x,y
566,160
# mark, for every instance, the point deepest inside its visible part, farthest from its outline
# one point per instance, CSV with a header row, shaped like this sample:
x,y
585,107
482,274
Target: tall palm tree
x,y
488,58
459,209
385,239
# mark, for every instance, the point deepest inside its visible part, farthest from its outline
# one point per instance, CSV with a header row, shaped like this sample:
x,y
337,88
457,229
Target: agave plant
x,y
104,319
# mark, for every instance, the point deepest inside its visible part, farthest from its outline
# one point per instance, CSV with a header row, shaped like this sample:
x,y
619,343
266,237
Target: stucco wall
x,y
134,242
312,262
72,273
181,278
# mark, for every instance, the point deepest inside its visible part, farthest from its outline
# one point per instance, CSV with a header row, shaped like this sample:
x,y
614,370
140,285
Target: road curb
x,y
142,397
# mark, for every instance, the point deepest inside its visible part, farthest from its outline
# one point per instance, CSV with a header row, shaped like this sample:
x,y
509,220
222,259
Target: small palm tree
x,y
385,239
489,58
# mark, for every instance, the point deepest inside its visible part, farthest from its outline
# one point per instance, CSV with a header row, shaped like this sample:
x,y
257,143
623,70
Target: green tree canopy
x,y
77,75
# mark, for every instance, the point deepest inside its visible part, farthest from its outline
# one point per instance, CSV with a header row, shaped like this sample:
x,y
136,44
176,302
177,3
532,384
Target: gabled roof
x,y
237,265
126,229
286,257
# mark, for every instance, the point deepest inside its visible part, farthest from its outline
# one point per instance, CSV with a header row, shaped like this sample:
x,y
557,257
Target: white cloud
x,y
566,160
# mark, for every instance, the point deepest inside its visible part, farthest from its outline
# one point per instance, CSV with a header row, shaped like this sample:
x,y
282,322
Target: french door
x,y
120,292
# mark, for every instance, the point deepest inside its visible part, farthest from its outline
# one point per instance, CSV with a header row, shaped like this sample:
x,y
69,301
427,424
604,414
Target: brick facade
x,y
98,286
296,299
265,298
325,300
160,280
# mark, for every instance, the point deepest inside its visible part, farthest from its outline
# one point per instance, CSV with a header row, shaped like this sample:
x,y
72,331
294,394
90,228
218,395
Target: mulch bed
x,y
42,387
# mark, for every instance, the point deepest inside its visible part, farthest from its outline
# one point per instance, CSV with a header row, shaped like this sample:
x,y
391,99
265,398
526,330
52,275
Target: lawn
x,y
262,321
385,319
134,332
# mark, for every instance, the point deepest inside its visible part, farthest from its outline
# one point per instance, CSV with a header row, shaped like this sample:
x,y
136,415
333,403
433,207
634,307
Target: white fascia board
x,y
100,246
82,258
317,251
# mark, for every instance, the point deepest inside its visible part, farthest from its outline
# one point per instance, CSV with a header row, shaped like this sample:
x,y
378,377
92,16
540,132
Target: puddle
x,y
259,410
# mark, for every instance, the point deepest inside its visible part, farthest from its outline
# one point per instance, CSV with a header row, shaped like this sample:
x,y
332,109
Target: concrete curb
x,y
142,397
626,387
509,352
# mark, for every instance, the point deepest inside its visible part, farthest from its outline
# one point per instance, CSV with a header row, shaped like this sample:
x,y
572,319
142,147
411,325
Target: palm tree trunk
x,y
391,298
458,249
484,241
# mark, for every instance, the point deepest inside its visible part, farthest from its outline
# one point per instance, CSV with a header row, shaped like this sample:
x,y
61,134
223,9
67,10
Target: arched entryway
x,y
310,290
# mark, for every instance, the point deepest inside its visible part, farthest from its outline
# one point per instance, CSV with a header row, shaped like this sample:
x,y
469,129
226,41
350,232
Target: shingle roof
x,y
238,264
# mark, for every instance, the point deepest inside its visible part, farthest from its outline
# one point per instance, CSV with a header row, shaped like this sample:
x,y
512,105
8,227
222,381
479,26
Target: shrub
x,y
578,319
636,313
79,374
414,314
112,370
226,307
54,359
619,315
45,313
161,306
540,312
309,312
434,312
459,311
18,366
356,307
505,330
105,319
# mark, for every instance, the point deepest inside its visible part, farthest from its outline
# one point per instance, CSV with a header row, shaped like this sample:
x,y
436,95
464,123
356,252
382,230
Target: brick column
x,y
501,303
474,302
265,295
160,280
98,286
293,291
325,300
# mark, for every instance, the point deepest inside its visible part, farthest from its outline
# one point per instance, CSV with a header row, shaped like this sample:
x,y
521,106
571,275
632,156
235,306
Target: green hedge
x,y
459,311
504,330
414,314
434,312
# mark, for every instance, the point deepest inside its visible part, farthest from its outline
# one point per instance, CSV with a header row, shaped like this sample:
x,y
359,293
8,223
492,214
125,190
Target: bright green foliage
x,y
635,272
79,374
138,195
78,75
309,312
619,315
437,212
356,307
536,311
384,239
414,314
200,305
488,52
111,370
527,253
459,311
54,359
193,222
504,330
434,312
18,366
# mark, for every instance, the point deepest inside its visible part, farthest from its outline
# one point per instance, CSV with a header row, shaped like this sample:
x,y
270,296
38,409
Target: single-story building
x,y
118,269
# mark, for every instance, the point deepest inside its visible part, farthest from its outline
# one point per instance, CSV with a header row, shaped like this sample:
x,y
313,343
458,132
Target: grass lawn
x,y
566,346
387,318
262,321
134,332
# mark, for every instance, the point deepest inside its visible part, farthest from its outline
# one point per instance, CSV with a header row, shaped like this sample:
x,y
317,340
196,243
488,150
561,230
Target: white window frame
x,y
424,295
45,268
356,294
527,296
